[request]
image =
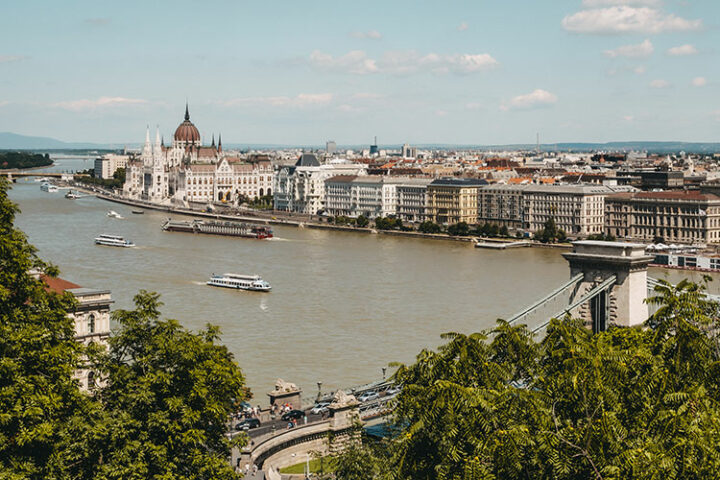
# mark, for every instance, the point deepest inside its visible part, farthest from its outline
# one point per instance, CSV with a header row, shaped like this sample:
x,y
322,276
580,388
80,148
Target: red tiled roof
x,y
57,285
670,195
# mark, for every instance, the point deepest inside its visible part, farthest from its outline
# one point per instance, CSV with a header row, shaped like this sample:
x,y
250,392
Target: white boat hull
x,y
239,287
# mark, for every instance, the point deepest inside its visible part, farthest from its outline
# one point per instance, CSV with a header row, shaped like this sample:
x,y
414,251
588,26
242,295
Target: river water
x,y
343,305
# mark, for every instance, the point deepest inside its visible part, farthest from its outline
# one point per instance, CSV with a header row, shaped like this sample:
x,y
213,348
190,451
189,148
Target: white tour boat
x,y
114,214
113,241
48,187
241,282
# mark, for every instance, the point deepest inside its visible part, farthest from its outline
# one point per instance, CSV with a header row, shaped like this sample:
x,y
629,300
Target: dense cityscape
x,y
359,241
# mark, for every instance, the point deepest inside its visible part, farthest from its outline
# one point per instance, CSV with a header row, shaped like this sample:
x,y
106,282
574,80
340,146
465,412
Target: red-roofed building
x,y
91,316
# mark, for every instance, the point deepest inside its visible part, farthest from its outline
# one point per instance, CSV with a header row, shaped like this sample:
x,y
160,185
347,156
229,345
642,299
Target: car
x,y
247,424
368,396
319,408
293,414
394,390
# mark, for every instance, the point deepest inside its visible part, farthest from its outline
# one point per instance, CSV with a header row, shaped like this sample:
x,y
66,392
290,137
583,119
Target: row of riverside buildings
x,y
334,189
187,172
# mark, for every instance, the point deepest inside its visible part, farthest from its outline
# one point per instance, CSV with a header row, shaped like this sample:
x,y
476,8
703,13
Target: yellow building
x,y
453,200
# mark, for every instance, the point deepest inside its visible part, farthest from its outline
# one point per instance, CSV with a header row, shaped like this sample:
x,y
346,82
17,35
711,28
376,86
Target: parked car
x,y
247,424
368,396
394,390
319,408
293,414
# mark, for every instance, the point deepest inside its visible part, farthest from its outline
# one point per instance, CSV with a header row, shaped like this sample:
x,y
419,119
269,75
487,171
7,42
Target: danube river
x,y
343,305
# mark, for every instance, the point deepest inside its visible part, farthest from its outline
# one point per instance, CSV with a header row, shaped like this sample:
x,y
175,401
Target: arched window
x,y
91,323
220,196
261,192
91,380
269,191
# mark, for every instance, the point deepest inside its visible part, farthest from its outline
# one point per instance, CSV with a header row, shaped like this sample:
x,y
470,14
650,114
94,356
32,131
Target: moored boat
x,y
138,212
113,241
253,283
48,187
232,229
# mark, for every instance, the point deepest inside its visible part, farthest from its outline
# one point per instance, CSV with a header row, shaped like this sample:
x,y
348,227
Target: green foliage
x,y
38,355
362,221
626,403
460,229
388,223
262,203
162,405
550,233
11,160
429,227
164,408
343,220
117,181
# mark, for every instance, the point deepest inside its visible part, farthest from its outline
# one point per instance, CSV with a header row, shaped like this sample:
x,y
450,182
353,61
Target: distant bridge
x,y
15,174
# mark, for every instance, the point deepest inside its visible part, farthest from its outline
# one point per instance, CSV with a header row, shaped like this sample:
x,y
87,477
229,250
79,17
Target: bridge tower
x,y
614,282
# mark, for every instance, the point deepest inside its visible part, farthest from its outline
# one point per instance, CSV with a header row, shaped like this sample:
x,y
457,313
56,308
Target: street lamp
x,y
319,387
383,370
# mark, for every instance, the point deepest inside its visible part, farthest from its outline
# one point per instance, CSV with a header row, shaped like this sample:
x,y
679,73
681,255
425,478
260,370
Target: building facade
x,y
187,171
687,217
91,317
300,188
107,165
453,200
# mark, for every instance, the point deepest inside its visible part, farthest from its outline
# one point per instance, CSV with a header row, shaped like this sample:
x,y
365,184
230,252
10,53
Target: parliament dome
x,y
186,131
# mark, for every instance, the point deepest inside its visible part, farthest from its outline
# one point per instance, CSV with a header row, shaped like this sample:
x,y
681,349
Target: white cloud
x,y
682,50
402,62
299,101
537,98
644,49
659,84
462,27
102,102
640,69
628,118
699,82
371,34
11,58
611,3
406,62
355,62
3,103
626,19
441,113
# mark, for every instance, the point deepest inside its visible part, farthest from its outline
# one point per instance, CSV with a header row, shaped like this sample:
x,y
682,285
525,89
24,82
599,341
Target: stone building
x,y
188,171
300,188
681,216
453,200
91,317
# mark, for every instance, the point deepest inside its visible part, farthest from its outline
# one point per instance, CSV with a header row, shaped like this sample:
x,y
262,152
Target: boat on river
x,y
231,229
48,187
138,212
113,241
114,214
253,283
73,195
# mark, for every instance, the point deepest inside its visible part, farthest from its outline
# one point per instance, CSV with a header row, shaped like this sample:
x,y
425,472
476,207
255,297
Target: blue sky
x,y
290,72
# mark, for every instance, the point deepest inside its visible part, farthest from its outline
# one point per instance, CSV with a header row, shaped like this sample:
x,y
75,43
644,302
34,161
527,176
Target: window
x,y
91,380
91,323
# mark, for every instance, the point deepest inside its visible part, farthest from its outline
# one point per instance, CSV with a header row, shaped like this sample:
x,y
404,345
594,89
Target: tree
x,y
38,355
429,227
166,401
625,403
459,229
362,221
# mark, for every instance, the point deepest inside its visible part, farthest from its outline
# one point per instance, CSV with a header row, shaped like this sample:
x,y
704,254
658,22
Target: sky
x,y
417,71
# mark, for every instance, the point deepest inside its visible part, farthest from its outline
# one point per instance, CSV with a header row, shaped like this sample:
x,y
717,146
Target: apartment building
x,y
579,210
453,200
107,165
681,216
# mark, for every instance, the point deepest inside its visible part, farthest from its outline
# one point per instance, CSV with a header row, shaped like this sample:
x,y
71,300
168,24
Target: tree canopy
x,y
159,411
638,403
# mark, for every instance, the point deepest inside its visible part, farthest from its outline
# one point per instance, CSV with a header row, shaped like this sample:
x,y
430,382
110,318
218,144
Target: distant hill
x,y
13,141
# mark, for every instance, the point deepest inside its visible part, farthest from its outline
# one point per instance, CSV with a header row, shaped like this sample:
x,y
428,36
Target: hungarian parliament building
x,y
186,171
